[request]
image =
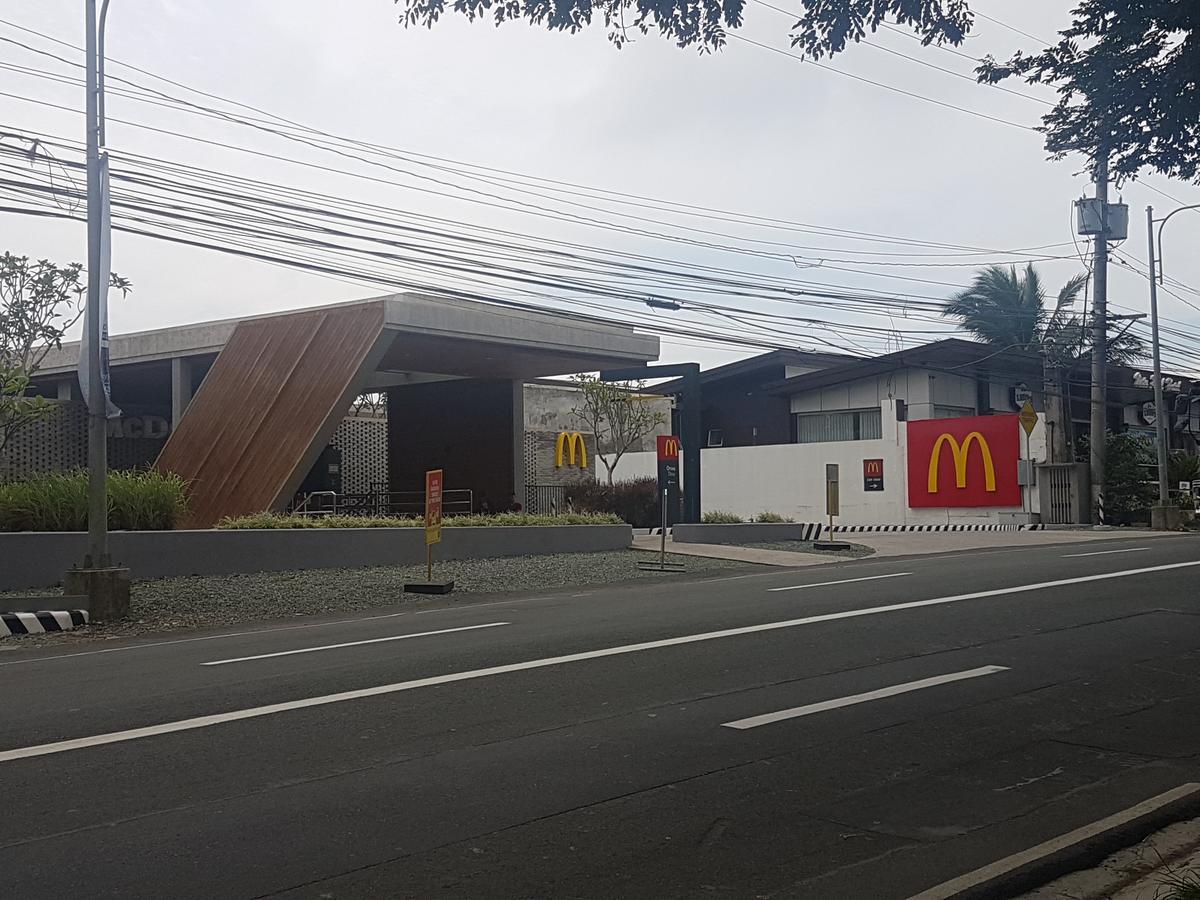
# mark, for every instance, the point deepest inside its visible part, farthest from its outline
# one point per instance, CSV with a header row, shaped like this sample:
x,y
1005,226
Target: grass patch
x,y
772,518
58,501
271,520
721,517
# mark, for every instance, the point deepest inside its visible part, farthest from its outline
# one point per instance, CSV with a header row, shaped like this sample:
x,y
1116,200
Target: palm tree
x,y
1010,311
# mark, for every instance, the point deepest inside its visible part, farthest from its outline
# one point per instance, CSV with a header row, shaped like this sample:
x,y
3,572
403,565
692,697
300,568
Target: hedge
x,y
272,520
137,501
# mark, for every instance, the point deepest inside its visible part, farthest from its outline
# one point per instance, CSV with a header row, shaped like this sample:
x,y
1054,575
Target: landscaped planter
x,y
746,533
39,559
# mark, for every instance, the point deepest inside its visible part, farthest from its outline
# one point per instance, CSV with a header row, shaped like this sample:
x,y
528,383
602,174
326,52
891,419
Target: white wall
x,y
790,479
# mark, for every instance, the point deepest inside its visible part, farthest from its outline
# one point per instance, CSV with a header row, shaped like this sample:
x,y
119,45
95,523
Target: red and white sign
x,y
668,447
969,462
433,507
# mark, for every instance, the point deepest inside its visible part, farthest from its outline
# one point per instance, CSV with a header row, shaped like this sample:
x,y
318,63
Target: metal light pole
x,y
97,400
1160,419
1099,411
1160,412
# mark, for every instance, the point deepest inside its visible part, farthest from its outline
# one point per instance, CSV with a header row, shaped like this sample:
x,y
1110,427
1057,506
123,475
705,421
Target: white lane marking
x,y
470,606
115,737
1001,867
800,587
891,691
206,637
1105,552
382,640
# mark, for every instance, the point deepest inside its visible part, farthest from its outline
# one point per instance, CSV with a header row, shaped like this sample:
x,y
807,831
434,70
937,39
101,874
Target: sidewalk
x,y
1145,871
900,543
734,552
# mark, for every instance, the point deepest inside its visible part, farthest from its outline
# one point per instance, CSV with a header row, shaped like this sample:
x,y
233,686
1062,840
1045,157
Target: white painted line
x,y
257,711
1054,845
1105,552
382,640
206,637
909,686
800,587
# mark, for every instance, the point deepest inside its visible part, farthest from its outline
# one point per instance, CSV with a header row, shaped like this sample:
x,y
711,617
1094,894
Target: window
x,y
716,437
849,425
952,412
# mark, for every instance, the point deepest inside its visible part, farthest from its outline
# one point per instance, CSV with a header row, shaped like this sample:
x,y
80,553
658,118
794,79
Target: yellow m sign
x,y
960,461
571,441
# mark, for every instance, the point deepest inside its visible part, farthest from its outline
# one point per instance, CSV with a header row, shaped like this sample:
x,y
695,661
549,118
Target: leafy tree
x,y
1130,484
1010,311
1126,74
619,414
39,301
1125,71
824,26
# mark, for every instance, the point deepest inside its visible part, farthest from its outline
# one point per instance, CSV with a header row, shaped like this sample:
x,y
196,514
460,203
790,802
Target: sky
x,y
746,131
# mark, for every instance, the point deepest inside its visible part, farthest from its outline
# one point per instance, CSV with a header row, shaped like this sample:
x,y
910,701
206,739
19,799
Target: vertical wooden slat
x,y
269,396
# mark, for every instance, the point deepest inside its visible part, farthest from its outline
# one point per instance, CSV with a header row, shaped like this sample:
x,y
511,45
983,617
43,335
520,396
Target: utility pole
x,y
1099,406
97,400
1160,411
105,586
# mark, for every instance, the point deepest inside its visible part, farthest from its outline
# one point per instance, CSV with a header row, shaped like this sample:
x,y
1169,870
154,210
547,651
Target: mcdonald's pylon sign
x,y
969,462
668,447
570,441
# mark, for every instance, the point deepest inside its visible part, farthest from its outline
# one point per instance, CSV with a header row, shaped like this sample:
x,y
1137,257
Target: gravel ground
x,y
856,551
214,600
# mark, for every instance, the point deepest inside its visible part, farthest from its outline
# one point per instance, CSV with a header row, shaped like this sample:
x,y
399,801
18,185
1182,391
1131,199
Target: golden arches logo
x,y
960,453
874,467
571,440
670,449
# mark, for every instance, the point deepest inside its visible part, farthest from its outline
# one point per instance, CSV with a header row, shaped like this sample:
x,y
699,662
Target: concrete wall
x,y
922,390
789,479
39,559
548,409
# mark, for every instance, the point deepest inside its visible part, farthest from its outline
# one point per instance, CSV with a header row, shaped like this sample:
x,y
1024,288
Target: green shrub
x,y
635,501
721,517
272,520
137,501
772,518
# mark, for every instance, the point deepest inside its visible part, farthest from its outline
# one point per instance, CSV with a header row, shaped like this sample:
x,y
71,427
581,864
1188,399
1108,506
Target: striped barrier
x,y
990,527
40,622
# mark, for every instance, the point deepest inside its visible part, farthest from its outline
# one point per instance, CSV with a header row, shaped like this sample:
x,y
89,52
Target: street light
x,y
1160,418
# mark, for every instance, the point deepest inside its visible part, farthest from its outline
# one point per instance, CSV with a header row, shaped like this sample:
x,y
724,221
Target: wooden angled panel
x,y
268,405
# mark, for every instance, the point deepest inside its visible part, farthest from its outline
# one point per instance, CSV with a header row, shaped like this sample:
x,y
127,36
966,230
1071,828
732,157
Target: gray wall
x,y
39,559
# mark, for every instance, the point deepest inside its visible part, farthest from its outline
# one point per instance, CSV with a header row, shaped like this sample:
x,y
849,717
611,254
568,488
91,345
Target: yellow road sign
x,y
1028,418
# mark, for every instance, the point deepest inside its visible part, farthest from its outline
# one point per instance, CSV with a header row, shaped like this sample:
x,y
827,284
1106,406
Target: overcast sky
x,y
744,130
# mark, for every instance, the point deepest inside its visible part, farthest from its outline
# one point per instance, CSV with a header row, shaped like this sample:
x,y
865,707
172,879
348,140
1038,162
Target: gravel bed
x,y
214,600
856,551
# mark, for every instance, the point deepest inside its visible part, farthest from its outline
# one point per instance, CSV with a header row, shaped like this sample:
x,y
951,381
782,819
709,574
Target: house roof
x,y
950,354
771,359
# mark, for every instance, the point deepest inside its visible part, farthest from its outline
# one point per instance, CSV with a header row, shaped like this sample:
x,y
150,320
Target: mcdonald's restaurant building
x,y
261,413
926,437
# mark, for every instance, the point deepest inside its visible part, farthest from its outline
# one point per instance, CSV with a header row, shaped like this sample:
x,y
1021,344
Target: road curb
x,y
41,621
1093,845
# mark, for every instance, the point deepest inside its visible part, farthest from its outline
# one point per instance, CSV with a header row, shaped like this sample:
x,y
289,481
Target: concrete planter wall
x,y
39,559
746,533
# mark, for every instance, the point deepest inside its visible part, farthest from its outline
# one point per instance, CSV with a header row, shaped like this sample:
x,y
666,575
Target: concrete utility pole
x,y
97,401
1099,426
106,587
1160,410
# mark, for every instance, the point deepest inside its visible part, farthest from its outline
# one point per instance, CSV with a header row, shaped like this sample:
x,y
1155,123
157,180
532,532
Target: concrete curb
x,y
41,621
1106,837
745,532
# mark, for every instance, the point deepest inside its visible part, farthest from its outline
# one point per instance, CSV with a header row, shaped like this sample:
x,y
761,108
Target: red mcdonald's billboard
x,y
964,462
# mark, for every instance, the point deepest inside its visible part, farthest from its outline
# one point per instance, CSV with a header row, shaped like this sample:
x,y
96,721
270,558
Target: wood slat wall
x,y
261,415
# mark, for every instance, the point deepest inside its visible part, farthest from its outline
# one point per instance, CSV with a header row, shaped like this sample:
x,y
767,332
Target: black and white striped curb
x,y
39,622
870,529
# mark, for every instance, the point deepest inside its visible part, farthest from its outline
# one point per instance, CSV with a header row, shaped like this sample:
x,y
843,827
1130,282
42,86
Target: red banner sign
x,y
668,447
970,462
433,506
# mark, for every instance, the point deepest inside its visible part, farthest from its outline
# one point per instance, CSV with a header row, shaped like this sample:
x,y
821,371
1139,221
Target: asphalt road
x,y
864,730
